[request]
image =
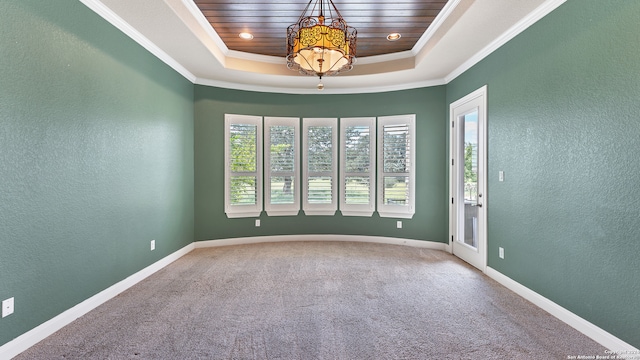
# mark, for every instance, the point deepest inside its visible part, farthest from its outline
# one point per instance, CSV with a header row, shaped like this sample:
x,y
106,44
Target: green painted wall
x,y
99,141
564,125
96,158
430,219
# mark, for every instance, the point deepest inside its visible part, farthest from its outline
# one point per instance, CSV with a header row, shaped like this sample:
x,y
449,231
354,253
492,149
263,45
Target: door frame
x,y
481,95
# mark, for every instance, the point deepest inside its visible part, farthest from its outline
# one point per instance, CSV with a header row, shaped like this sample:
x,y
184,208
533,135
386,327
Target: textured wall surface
x,y
96,158
564,125
430,219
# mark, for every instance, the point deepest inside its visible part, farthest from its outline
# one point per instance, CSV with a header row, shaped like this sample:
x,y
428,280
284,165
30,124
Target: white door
x,y
468,216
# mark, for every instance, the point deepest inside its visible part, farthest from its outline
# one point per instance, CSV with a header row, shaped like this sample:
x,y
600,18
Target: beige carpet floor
x,y
316,300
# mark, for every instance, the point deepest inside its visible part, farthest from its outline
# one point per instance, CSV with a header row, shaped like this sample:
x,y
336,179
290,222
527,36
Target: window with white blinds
x,y
396,166
282,166
357,191
357,170
243,165
320,166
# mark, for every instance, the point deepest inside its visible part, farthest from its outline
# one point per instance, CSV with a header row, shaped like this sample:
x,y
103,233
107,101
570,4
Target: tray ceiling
x,y
440,40
268,20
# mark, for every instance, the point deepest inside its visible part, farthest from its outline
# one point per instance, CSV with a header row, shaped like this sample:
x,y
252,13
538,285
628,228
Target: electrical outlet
x,y
501,252
500,175
153,245
399,224
257,222
7,307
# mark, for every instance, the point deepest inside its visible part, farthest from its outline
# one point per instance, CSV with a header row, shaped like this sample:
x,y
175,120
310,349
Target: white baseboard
x,y
356,238
594,332
39,333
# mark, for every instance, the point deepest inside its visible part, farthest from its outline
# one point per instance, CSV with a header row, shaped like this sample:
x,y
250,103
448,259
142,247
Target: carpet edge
x,y
589,329
42,331
321,237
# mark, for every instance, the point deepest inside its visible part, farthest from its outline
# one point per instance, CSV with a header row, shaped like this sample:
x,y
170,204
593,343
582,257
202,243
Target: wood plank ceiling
x,y
268,20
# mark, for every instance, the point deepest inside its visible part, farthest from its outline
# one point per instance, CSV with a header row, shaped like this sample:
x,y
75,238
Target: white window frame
x,y
282,209
240,211
358,209
320,209
393,210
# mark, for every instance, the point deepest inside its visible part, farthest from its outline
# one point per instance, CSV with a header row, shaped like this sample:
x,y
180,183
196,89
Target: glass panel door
x,y
469,124
468,215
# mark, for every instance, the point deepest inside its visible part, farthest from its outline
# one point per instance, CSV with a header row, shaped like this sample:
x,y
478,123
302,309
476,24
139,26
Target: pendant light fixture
x,y
321,44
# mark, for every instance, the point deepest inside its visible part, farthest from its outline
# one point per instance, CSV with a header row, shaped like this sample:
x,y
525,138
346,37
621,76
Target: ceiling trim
x,y
222,49
243,64
312,89
115,20
448,8
542,11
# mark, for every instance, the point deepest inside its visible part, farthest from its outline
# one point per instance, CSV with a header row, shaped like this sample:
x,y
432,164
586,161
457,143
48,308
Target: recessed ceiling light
x,y
245,36
394,36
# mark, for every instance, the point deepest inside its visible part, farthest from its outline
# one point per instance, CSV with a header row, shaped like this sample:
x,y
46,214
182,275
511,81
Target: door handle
x,y
477,204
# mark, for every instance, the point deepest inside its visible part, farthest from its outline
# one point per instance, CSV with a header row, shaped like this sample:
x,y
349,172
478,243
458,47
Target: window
x,y
357,170
282,166
396,166
357,190
243,165
319,169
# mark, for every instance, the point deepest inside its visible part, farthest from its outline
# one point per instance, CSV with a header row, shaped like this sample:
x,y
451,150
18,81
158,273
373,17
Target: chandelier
x,y
323,44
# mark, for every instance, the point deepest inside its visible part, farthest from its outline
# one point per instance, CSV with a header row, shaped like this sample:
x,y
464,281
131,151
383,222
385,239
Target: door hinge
x,y
451,162
453,122
452,200
451,238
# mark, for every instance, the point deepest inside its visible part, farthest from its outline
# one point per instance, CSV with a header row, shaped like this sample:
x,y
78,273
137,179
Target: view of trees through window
x,y
357,164
470,172
282,155
324,182
396,163
243,163
320,164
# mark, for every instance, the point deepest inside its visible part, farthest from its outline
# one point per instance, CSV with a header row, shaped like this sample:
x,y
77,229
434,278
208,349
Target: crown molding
x,y
99,8
219,49
252,72
384,57
446,11
311,90
257,57
542,11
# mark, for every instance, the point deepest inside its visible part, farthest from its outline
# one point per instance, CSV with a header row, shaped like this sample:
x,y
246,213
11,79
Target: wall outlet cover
x,y
7,307
153,245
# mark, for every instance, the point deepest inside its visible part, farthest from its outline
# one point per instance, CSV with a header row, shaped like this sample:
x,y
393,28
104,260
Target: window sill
x,y
282,212
234,215
356,213
400,215
320,212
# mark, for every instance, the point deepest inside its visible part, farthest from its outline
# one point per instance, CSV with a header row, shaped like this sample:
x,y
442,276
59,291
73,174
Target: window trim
x,y
358,209
388,210
240,211
281,209
320,209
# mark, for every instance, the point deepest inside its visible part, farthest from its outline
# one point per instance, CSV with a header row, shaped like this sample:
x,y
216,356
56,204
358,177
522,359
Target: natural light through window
x,y
364,165
320,166
243,165
282,149
396,176
357,171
